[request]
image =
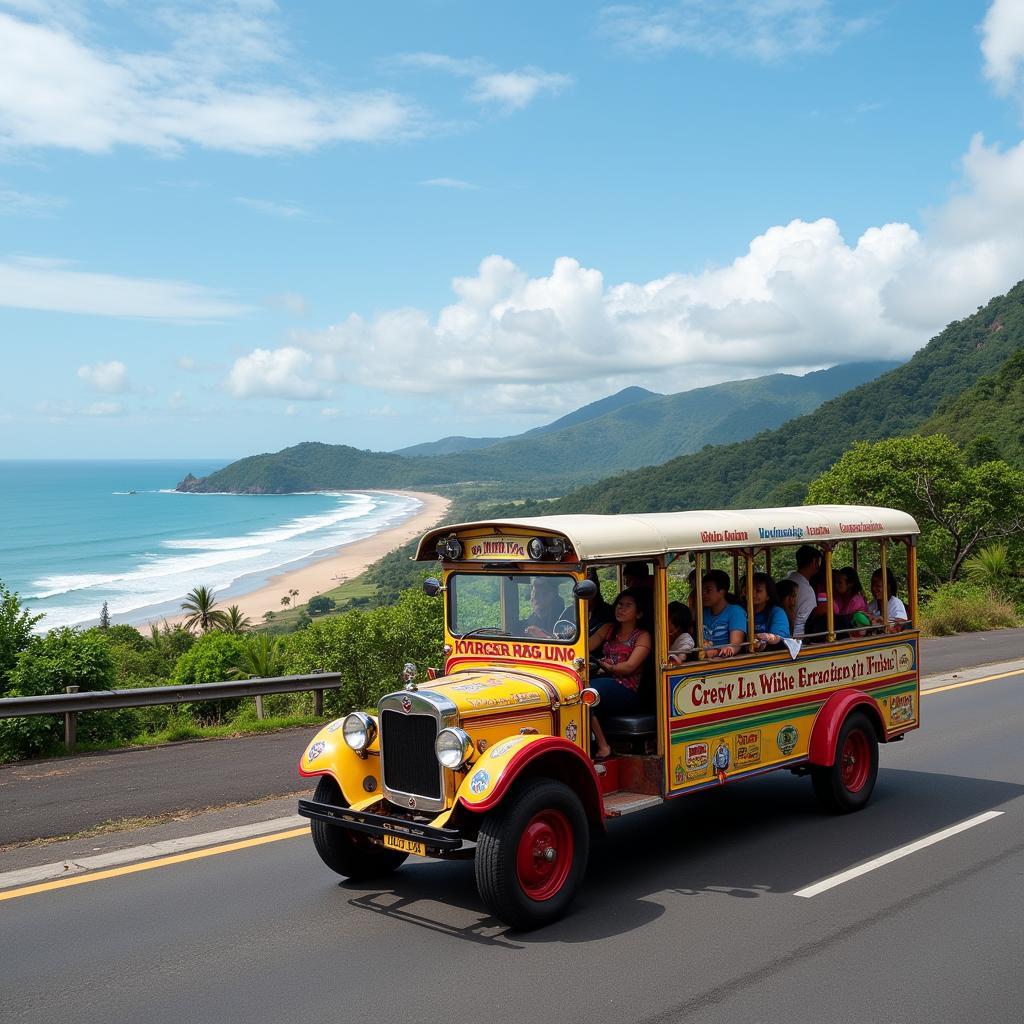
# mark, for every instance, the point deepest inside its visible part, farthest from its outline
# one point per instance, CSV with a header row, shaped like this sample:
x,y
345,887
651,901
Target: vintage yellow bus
x,y
490,756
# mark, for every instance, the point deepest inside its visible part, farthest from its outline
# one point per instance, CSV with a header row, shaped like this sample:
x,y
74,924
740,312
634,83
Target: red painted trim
x,y
829,720
741,710
310,775
523,757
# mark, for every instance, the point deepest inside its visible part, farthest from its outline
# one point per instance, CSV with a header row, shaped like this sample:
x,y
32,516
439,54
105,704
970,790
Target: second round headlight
x,y
453,747
359,730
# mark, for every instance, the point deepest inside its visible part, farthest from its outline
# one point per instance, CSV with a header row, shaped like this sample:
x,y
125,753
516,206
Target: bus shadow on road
x,y
765,837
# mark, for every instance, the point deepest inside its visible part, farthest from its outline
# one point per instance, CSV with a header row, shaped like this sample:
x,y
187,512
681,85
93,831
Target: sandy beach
x,y
335,567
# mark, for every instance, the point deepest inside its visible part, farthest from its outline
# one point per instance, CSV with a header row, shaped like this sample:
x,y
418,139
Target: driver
x,y
546,607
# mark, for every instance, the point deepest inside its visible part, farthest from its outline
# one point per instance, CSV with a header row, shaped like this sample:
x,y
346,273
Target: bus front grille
x,y
407,754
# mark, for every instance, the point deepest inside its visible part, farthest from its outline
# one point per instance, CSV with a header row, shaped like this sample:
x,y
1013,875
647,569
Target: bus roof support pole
x,y
884,570
912,579
698,603
830,608
749,559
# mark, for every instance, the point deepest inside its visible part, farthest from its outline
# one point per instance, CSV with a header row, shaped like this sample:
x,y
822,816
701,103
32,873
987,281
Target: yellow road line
x,y
149,865
973,682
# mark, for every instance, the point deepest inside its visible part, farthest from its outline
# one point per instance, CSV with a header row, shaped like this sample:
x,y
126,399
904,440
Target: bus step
x,y
625,802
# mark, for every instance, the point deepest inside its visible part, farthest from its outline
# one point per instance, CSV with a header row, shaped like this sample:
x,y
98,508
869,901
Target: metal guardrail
x,y
69,704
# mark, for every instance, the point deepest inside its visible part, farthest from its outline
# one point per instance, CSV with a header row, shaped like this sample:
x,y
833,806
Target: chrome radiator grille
x,y
407,754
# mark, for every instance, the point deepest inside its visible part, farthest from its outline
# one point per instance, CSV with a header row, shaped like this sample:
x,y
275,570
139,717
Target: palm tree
x,y
989,567
235,621
199,603
261,658
286,600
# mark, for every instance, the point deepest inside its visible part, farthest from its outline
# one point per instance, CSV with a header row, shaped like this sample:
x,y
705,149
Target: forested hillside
x,y
633,427
993,408
774,467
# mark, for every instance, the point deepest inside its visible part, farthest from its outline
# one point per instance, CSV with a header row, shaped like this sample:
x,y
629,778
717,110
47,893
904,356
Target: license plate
x,y
394,842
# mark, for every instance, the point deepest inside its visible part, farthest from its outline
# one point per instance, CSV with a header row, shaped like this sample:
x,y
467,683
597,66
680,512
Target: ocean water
x,y
76,534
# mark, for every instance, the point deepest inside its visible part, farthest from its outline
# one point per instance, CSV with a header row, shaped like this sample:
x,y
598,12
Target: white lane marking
x,y
887,858
78,865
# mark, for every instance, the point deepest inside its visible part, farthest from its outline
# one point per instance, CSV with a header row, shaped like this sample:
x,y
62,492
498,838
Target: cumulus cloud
x,y
764,30
275,373
60,88
1002,45
110,378
508,90
801,296
53,285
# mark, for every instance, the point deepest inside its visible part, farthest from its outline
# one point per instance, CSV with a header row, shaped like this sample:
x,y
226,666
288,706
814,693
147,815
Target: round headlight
x,y
536,549
453,548
359,730
453,747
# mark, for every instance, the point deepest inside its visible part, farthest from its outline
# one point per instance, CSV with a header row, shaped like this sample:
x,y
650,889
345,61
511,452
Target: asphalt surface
x,y
687,913
64,796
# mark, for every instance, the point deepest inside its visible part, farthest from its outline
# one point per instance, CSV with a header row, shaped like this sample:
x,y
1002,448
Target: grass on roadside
x,y
966,608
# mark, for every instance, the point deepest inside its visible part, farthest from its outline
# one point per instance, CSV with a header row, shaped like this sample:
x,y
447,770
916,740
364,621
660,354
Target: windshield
x,y
520,605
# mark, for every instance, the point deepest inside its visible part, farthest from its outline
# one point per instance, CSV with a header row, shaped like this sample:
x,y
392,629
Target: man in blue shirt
x,y
725,625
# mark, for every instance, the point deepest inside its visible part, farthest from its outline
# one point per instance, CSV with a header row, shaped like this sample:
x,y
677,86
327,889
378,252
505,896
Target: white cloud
x,y
186,363
510,90
764,30
58,88
277,373
177,400
1002,45
449,183
517,89
51,285
27,204
800,297
103,409
110,378
286,209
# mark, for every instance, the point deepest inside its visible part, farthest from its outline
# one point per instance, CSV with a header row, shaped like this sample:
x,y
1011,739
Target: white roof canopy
x,y
595,537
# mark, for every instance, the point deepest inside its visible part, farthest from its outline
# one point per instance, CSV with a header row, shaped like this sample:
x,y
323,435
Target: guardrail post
x,y
259,706
318,703
70,722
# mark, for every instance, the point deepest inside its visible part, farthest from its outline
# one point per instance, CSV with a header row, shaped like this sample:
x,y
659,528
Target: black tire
x,y
847,784
344,851
556,821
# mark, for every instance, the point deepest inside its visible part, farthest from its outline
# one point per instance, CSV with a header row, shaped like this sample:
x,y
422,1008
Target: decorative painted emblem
x,y
479,782
412,801
698,756
471,687
407,704
504,747
786,739
721,757
315,751
570,732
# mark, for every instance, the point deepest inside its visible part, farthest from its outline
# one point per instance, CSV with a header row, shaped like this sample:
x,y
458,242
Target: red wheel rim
x,y
855,761
544,854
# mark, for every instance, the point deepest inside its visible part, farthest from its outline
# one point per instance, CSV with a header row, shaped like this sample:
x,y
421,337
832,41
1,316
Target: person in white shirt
x,y
808,562
896,610
680,622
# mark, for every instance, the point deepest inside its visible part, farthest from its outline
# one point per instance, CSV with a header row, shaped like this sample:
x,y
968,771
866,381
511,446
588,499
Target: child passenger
x,y
680,625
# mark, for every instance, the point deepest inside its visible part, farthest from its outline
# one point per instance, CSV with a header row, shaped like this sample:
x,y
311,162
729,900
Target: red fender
x,y
825,731
556,758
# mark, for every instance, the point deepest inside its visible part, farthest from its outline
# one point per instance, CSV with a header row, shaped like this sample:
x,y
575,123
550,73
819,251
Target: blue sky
x,y
230,227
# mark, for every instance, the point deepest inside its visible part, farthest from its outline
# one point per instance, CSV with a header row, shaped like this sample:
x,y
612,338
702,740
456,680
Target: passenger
x,y
816,626
625,645
808,563
599,611
546,607
637,574
771,623
786,592
896,609
680,626
849,594
725,625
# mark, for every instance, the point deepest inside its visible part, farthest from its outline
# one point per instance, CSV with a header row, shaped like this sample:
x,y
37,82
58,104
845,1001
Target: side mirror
x,y
432,587
585,589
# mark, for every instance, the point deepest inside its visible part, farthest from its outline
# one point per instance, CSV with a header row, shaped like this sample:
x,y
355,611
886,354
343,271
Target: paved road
x,y
688,913
63,796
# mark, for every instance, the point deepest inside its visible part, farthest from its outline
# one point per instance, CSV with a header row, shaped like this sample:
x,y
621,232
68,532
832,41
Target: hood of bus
x,y
488,692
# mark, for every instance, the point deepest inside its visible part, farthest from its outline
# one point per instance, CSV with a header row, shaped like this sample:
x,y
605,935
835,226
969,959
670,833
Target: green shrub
x,y
63,657
211,659
965,608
